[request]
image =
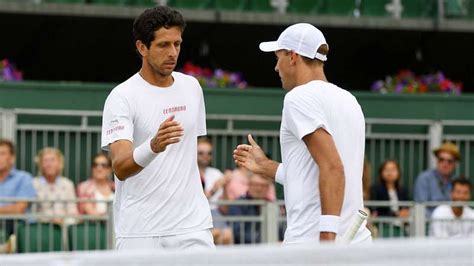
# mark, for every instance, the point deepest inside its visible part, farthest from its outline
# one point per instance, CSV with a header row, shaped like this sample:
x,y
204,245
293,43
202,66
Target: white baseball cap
x,y
302,38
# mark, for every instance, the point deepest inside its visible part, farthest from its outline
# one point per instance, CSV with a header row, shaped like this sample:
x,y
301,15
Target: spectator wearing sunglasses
x,y
99,187
435,184
213,182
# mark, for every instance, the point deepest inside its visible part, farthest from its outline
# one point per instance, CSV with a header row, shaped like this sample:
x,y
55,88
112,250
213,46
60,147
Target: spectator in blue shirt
x,y
435,184
13,184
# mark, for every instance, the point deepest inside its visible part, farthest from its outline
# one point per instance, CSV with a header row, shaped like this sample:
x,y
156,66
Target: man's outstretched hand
x,y
250,156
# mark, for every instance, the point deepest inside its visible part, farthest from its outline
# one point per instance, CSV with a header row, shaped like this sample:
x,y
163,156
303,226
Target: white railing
x,y
77,134
265,227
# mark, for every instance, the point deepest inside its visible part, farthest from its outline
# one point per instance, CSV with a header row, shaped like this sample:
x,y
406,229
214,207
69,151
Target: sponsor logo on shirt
x,y
114,129
174,109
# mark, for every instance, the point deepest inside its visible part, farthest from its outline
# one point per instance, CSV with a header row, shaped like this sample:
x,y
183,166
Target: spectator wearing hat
x,y
435,184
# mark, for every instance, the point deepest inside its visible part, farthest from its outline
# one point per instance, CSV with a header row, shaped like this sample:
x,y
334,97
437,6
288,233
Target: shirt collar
x,y
44,181
12,173
438,175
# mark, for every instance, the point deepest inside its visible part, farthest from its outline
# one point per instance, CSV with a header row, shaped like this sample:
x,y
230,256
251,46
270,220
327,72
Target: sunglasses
x,y
442,159
103,165
205,153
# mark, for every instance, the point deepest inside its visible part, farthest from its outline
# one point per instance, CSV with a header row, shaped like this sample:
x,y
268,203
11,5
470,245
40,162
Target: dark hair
x,y
463,181
9,144
382,167
153,19
101,154
323,49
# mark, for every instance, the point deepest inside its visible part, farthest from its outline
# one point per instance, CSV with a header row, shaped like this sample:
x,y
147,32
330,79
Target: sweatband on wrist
x,y
280,174
329,223
143,154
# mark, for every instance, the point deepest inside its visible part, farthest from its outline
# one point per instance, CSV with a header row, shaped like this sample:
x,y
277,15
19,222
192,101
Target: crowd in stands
x,y
52,191
54,195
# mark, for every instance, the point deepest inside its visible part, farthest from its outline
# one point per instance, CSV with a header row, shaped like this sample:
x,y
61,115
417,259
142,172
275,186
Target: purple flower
x,y
377,85
399,88
219,73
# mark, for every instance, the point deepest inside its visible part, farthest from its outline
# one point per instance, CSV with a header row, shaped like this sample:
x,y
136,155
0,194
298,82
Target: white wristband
x,y
280,174
143,154
329,223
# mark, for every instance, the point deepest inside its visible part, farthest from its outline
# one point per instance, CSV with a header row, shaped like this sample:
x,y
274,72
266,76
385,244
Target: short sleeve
x,y
117,121
201,122
304,115
26,189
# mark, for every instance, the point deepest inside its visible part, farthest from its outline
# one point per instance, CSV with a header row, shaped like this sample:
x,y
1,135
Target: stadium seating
x,y
374,8
305,6
39,237
338,7
66,1
260,6
190,4
87,236
418,8
235,5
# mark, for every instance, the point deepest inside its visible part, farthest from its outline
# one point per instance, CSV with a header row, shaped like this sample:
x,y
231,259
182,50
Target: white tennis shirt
x,y
166,197
306,108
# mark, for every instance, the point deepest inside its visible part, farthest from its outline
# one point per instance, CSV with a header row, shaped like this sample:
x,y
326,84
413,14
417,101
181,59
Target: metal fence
x,y
77,135
35,232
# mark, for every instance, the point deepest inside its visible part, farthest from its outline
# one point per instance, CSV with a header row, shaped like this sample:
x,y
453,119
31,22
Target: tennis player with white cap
x,y
322,138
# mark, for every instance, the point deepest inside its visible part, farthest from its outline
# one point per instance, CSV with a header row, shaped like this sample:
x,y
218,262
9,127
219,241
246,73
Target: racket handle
x,y
349,235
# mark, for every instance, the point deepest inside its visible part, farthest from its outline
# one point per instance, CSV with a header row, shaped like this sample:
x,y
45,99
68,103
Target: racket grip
x,y
357,221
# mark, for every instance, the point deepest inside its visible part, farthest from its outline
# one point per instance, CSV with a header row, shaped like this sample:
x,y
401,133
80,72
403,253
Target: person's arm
x,y
253,158
421,189
219,184
87,208
127,161
331,178
26,190
15,208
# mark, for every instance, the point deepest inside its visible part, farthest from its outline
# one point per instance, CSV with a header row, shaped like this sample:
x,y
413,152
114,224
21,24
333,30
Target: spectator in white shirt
x,y
454,221
214,181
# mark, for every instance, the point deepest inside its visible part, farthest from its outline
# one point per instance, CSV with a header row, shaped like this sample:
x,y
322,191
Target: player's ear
x,y
293,57
141,48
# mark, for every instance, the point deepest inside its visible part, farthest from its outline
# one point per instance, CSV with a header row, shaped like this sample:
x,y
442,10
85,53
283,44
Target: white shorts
x,y
190,241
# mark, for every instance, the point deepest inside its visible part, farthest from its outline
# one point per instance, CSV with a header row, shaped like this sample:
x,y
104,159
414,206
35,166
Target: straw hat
x,y
448,147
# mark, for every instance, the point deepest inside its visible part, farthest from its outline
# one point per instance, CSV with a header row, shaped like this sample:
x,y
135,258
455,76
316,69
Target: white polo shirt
x,y
166,197
446,225
306,108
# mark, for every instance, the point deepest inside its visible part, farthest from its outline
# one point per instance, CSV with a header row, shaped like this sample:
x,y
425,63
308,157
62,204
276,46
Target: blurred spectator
x,y
389,189
213,181
51,186
366,181
435,184
98,187
257,190
13,184
239,185
454,222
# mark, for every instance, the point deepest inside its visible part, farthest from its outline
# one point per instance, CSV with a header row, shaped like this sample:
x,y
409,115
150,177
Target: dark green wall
x,y
82,96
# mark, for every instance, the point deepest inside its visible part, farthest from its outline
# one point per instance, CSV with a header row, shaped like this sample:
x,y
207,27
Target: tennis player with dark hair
x,y
150,125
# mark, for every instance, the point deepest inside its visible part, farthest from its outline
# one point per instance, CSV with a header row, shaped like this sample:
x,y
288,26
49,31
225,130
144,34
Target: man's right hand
x,y
170,132
250,156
